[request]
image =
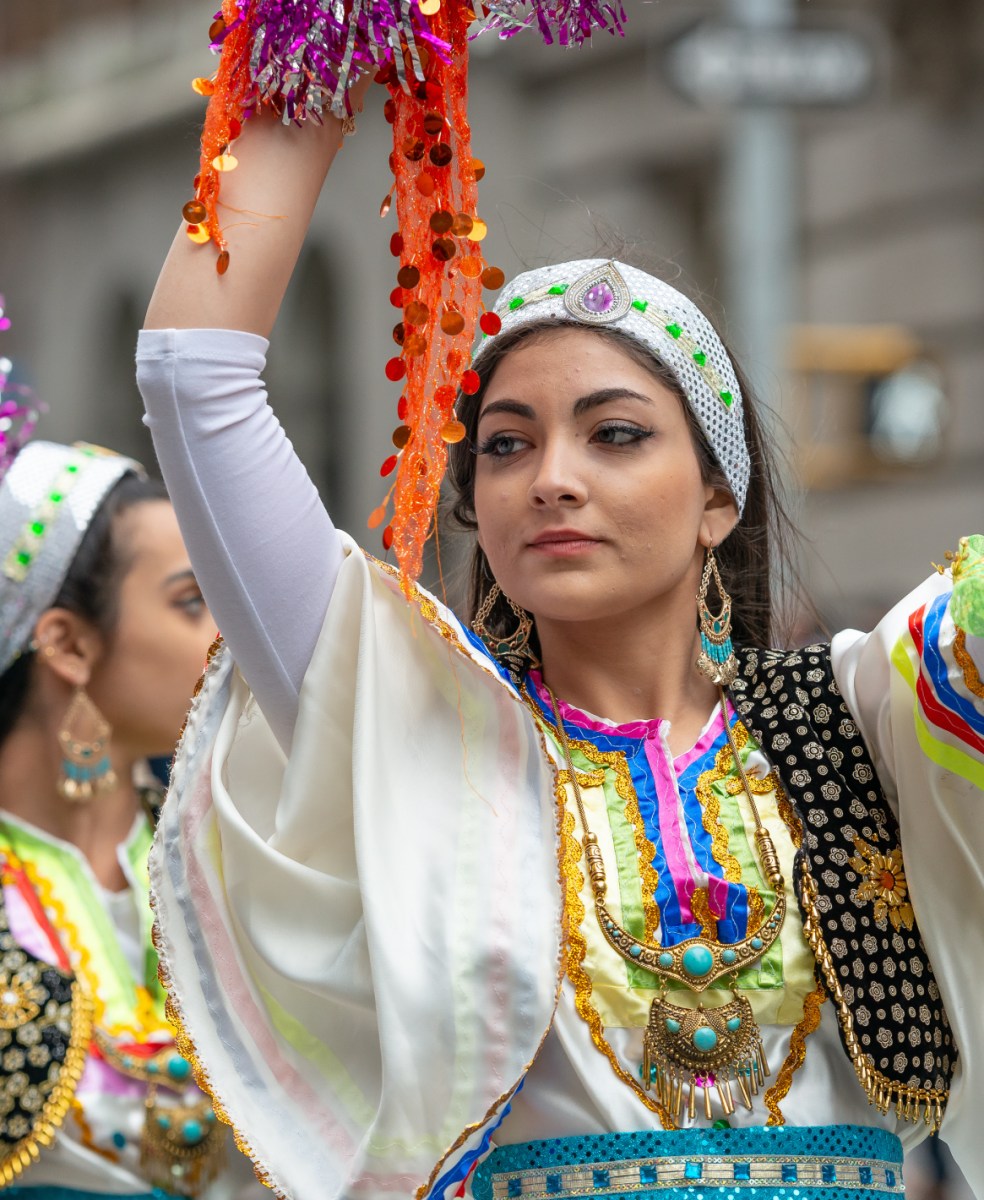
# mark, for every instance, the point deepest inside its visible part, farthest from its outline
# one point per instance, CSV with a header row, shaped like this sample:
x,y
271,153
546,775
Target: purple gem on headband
x,y
599,299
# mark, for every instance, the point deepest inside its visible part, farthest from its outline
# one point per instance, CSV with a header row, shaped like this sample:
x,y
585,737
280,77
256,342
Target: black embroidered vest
x,y
45,1026
850,881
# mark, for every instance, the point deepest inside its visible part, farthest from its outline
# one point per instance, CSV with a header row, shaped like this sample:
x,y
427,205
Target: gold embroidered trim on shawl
x,y
430,613
466,1133
28,1149
911,1103
786,811
796,1056
146,1019
971,675
574,914
615,761
213,650
186,1048
710,805
756,910
700,906
172,1008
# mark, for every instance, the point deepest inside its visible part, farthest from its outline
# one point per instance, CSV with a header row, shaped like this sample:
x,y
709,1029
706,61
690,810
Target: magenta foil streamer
x,y
19,411
307,53
568,22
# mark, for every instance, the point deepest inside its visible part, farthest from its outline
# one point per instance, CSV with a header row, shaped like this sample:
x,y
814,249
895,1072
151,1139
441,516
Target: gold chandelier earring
x,y
86,770
514,650
717,653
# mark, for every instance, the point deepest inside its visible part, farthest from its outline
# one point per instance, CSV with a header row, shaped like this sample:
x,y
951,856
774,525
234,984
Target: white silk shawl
x,y
363,943
363,946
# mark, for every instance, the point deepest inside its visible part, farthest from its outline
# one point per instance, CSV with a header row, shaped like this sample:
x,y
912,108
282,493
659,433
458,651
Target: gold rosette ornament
x,y
884,883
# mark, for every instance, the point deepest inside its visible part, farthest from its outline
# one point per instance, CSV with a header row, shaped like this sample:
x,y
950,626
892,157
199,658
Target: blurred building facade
x,y
98,146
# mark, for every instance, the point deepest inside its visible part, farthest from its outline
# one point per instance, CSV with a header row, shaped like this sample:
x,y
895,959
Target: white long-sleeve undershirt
x,y
263,547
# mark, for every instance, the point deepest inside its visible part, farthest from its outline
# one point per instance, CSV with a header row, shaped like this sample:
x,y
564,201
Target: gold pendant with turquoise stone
x,y
686,1050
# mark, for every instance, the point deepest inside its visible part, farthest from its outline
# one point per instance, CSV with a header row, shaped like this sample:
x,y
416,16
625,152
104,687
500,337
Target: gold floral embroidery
x,y
18,1001
885,883
808,1024
972,677
59,1100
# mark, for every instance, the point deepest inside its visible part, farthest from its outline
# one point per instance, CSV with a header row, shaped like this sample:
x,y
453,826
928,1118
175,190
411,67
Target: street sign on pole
x,y
728,65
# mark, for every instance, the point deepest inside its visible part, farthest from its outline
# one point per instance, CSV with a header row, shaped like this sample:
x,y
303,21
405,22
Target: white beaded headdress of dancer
x,y
599,292
48,497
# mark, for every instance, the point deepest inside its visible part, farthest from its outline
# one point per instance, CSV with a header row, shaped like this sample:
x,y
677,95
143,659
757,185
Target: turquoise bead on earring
x,y
717,653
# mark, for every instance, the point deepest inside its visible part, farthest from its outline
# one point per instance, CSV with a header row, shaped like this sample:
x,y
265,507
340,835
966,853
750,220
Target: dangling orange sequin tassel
x,y
439,278
228,95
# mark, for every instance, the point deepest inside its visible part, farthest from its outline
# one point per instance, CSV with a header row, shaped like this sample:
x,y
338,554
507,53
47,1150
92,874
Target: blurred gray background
x,y
811,171
823,199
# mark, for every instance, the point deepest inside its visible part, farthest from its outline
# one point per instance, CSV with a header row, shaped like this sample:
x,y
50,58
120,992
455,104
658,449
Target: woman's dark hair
x,y
91,587
756,559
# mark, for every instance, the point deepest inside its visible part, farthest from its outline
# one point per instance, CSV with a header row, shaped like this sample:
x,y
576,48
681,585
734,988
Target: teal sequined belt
x,y
829,1162
48,1191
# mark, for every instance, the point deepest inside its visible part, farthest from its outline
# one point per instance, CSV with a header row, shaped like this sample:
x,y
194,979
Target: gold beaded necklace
x,y
686,1048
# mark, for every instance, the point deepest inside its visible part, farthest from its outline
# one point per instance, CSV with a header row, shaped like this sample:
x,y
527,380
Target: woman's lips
x,y
563,542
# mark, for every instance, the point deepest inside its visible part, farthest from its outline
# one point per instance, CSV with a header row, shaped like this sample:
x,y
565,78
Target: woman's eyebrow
x,y
515,407
582,405
179,577
604,396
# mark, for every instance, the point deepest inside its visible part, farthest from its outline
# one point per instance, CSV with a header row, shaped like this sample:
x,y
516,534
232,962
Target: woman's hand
x,y
265,207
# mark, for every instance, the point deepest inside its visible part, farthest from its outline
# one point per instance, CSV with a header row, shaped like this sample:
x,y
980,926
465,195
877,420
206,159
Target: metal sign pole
x,y
758,191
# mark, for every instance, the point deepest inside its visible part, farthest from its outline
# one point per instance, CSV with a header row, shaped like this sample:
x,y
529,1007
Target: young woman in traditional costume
x,y
104,630
571,895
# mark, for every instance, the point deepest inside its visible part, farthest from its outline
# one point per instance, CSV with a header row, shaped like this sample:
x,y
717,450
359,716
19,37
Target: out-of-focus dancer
x,y
104,632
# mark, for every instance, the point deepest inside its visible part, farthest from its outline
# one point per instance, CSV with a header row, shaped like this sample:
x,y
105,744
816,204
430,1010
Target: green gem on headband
x,y
48,498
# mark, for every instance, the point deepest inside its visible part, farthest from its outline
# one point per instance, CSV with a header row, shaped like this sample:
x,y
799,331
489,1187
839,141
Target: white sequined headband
x,y
48,499
597,292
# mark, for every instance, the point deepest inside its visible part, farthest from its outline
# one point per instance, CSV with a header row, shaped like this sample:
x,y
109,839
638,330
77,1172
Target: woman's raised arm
x,y
266,207
263,547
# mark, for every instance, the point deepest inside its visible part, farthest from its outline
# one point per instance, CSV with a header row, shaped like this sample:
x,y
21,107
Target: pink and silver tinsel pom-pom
x,y
566,22
19,411
305,54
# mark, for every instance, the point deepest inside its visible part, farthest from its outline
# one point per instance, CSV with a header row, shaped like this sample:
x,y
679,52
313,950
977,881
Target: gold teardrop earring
x,y
86,770
717,653
515,650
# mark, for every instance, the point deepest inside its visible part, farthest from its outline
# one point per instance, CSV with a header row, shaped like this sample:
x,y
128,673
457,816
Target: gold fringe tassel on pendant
x,y
691,1050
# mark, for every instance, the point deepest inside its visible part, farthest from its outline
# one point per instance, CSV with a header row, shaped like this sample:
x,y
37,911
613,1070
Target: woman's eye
x,y
501,445
193,606
621,435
